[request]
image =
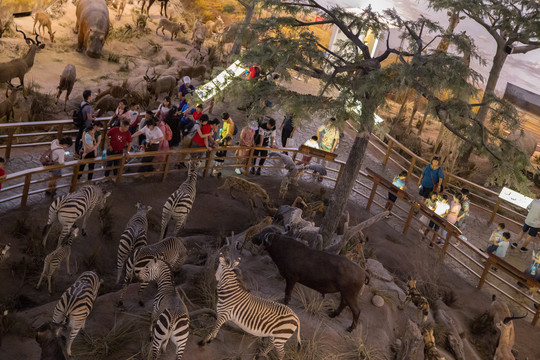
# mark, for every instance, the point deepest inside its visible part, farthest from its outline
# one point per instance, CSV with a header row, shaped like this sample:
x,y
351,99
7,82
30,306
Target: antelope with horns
x,y
17,68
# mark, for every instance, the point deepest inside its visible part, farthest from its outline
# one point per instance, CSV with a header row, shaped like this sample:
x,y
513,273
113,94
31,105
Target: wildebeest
x,y
67,79
171,26
157,84
321,271
92,26
52,343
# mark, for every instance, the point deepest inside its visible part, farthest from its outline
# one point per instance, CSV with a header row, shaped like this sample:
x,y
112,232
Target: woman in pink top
x,y
163,144
455,207
247,138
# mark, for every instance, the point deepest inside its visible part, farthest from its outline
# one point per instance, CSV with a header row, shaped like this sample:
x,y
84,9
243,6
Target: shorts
x,y
433,226
425,191
532,230
197,155
392,197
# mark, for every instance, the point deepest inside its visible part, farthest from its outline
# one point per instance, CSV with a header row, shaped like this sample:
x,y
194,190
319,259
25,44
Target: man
x,y
431,178
287,129
531,225
118,142
87,116
58,149
264,137
185,89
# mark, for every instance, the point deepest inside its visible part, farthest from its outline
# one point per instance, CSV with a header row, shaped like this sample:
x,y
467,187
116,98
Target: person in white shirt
x,y
58,148
153,137
531,226
441,208
503,245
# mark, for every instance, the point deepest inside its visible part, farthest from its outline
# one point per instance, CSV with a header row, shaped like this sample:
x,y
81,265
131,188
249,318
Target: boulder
x,y
377,300
377,270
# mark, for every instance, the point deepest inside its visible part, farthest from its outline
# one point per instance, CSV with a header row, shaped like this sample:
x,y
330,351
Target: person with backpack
x,y
229,128
91,141
121,113
55,155
264,137
287,129
83,117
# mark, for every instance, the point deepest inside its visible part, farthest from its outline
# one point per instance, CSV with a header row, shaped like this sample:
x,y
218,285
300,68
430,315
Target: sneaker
x,y
238,171
259,171
440,242
431,245
514,245
523,249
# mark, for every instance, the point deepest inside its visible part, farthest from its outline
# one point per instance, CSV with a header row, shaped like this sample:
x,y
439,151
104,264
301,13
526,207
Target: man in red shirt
x,y
117,139
202,136
2,171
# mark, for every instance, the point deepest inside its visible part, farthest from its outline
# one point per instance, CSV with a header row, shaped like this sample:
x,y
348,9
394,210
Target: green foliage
x,y
229,9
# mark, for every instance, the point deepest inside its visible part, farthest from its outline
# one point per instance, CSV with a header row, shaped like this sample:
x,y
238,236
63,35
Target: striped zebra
x,y
171,250
170,318
54,259
70,207
133,237
179,204
255,315
76,303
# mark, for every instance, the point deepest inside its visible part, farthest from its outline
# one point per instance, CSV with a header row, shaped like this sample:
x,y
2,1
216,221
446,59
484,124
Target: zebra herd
x,y
156,263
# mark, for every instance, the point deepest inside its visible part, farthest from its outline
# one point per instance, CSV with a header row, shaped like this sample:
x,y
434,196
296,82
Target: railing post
x,y
26,189
536,316
388,151
250,159
410,216
446,243
11,131
166,170
74,178
60,131
411,170
208,162
445,181
373,192
495,209
120,170
484,274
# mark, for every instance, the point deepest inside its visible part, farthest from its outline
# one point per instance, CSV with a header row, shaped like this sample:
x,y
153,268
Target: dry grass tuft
x,y
312,301
204,292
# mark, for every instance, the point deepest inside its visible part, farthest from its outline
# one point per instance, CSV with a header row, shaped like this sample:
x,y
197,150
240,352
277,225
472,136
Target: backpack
x,y
47,157
235,129
168,133
187,127
78,118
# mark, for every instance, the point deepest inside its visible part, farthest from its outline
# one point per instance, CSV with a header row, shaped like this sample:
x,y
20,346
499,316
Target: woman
x,y
164,144
247,138
202,137
453,213
153,137
91,140
163,108
431,178
121,113
534,269
173,120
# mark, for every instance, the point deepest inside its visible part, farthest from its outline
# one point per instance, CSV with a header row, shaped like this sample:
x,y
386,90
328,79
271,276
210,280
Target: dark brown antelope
x,y
67,79
6,106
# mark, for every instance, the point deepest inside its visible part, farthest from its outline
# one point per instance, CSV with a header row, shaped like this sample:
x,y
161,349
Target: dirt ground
x,y
112,334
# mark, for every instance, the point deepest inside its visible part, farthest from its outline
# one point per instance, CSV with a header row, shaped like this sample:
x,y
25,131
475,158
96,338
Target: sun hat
x,y
253,125
187,79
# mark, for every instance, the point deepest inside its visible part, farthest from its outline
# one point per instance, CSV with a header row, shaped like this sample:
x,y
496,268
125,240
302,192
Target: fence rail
x,y
23,185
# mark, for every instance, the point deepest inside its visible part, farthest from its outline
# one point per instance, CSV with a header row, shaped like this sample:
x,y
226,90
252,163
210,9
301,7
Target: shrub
x,y
229,8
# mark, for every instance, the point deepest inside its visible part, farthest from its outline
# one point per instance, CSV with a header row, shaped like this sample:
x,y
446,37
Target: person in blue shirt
x,y
431,178
185,89
399,182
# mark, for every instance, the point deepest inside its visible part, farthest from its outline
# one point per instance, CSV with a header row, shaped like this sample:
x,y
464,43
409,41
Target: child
x,y
220,155
441,208
495,238
313,143
534,269
133,117
399,182
503,245
453,213
2,171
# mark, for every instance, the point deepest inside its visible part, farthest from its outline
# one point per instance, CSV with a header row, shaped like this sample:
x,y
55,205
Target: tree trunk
x,y
414,110
498,62
237,45
340,196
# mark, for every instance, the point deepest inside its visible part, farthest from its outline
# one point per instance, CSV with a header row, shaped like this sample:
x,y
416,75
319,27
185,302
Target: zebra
x,y
70,207
255,315
76,304
171,250
170,318
133,237
54,259
179,204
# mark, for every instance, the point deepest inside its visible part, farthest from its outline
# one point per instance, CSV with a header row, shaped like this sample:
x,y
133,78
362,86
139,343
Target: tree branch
x,y
302,23
525,49
331,52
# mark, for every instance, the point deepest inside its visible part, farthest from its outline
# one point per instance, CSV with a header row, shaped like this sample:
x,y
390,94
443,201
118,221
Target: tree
x,y
513,24
351,77
249,5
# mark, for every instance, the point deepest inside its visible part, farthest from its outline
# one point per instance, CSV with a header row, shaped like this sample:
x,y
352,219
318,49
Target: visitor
x,y
431,203
133,117
153,137
167,136
453,213
189,129
503,245
534,269
264,137
441,208
91,141
58,149
496,235
328,135
464,212
163,109
431,178
202,136
148,115
247,138
2,171
287,129
220,156
500,240
228,128
254,72
185,89
399,182
119,141
87,114
121,113
312,143
173,120
195,113
530,226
